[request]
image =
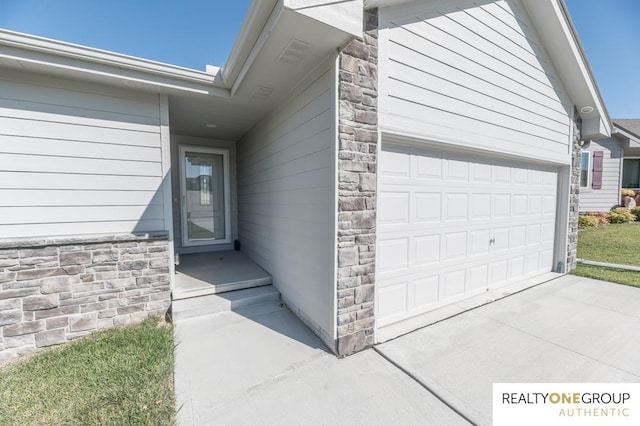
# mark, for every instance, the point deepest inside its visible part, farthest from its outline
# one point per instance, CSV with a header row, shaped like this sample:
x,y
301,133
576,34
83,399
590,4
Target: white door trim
x,y
183,190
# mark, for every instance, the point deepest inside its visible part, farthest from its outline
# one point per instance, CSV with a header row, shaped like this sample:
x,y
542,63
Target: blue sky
x,y
192,33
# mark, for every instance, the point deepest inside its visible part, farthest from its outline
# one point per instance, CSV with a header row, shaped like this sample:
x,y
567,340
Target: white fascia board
x,y
554,26
345,15
274,17
46,55
253,27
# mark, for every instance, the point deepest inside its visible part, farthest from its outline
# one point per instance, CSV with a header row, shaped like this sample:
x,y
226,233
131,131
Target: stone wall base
x,y
54,290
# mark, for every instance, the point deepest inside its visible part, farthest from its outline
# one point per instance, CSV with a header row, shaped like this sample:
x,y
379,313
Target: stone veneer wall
x,y
53,290
574,201
357,168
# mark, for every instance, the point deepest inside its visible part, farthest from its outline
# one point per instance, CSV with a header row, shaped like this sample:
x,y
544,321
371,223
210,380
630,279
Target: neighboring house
x,y
385,162
608,165
630,132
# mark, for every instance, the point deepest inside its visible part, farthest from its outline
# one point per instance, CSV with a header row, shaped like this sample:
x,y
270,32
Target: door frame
x,y
183,149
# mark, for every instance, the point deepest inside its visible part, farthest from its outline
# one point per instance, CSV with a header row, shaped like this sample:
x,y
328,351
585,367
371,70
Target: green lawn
x,y
115,377
613,244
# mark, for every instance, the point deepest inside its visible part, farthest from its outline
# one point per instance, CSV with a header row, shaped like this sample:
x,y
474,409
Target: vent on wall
x,y
262,92
294,52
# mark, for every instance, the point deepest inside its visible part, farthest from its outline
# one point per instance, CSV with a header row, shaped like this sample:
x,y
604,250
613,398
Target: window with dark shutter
x,y
596,178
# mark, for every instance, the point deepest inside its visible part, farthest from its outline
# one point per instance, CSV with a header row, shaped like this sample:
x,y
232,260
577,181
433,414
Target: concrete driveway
x,y
568,330
261,366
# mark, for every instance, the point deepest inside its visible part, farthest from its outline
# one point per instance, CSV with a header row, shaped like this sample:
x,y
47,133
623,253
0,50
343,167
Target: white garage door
x,y
451,226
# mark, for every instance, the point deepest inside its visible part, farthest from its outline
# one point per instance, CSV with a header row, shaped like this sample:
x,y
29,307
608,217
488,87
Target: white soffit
x,y
345,15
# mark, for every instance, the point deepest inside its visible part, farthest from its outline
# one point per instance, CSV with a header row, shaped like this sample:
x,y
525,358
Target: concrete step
x,y
222,302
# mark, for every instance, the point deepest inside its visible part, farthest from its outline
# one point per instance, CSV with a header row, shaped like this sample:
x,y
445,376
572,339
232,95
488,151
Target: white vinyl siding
x,y
473,75
78,158
604,199
286,199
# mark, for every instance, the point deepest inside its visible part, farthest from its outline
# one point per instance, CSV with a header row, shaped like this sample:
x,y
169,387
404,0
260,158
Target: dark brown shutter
x,y
596,178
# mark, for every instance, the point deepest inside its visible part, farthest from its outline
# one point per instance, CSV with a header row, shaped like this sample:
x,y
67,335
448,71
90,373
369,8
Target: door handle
x,y
492,241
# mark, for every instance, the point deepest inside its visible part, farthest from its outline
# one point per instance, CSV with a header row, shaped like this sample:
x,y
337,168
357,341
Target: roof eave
x,y
563,45
47,55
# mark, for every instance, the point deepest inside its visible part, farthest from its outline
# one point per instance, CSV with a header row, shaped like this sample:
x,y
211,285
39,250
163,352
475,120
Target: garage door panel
x,y
396,163
501,205
518,236
534,234
548,232
480,206
501,174
394,208
428,166
501,239
453,285
455,245
532,263
428,207
456,206
478,278
452,225
456,170
427,249
550,178
479,242
519,205
425,291
549,205
516,267
499,271
520,176
394,254
392,300
481,172
546,258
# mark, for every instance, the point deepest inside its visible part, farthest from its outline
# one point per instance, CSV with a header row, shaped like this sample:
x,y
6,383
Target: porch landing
x,y
216,272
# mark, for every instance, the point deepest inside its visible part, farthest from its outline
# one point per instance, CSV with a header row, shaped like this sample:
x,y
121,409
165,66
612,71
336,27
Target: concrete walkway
x,y
261,366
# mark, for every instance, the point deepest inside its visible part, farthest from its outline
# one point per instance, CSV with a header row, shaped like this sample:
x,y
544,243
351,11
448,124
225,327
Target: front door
x,y
205,201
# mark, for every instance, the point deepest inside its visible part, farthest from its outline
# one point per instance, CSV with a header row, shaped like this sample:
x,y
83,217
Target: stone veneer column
x,y
574,201
57,289
357,167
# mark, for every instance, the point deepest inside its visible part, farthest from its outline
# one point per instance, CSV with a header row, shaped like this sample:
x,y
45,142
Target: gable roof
x,y
560,39
631,126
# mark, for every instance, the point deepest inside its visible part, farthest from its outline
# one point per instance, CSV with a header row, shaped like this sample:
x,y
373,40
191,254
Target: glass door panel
x,y
203,197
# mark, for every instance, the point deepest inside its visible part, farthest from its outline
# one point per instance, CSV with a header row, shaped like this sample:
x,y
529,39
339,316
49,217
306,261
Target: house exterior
x,y
629,129
388,162
607,165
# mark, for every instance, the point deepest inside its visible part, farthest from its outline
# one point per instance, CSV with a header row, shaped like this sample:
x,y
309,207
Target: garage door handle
x,y
492,241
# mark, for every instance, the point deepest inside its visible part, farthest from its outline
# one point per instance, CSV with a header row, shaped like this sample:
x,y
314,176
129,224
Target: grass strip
x,y
118,376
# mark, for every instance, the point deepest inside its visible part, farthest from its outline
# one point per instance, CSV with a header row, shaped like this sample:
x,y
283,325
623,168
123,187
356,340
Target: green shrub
x,y
636,213
621,215
604,218
587,221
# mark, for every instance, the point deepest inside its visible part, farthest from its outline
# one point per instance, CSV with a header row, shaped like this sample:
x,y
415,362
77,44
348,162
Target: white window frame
x,y
589,169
